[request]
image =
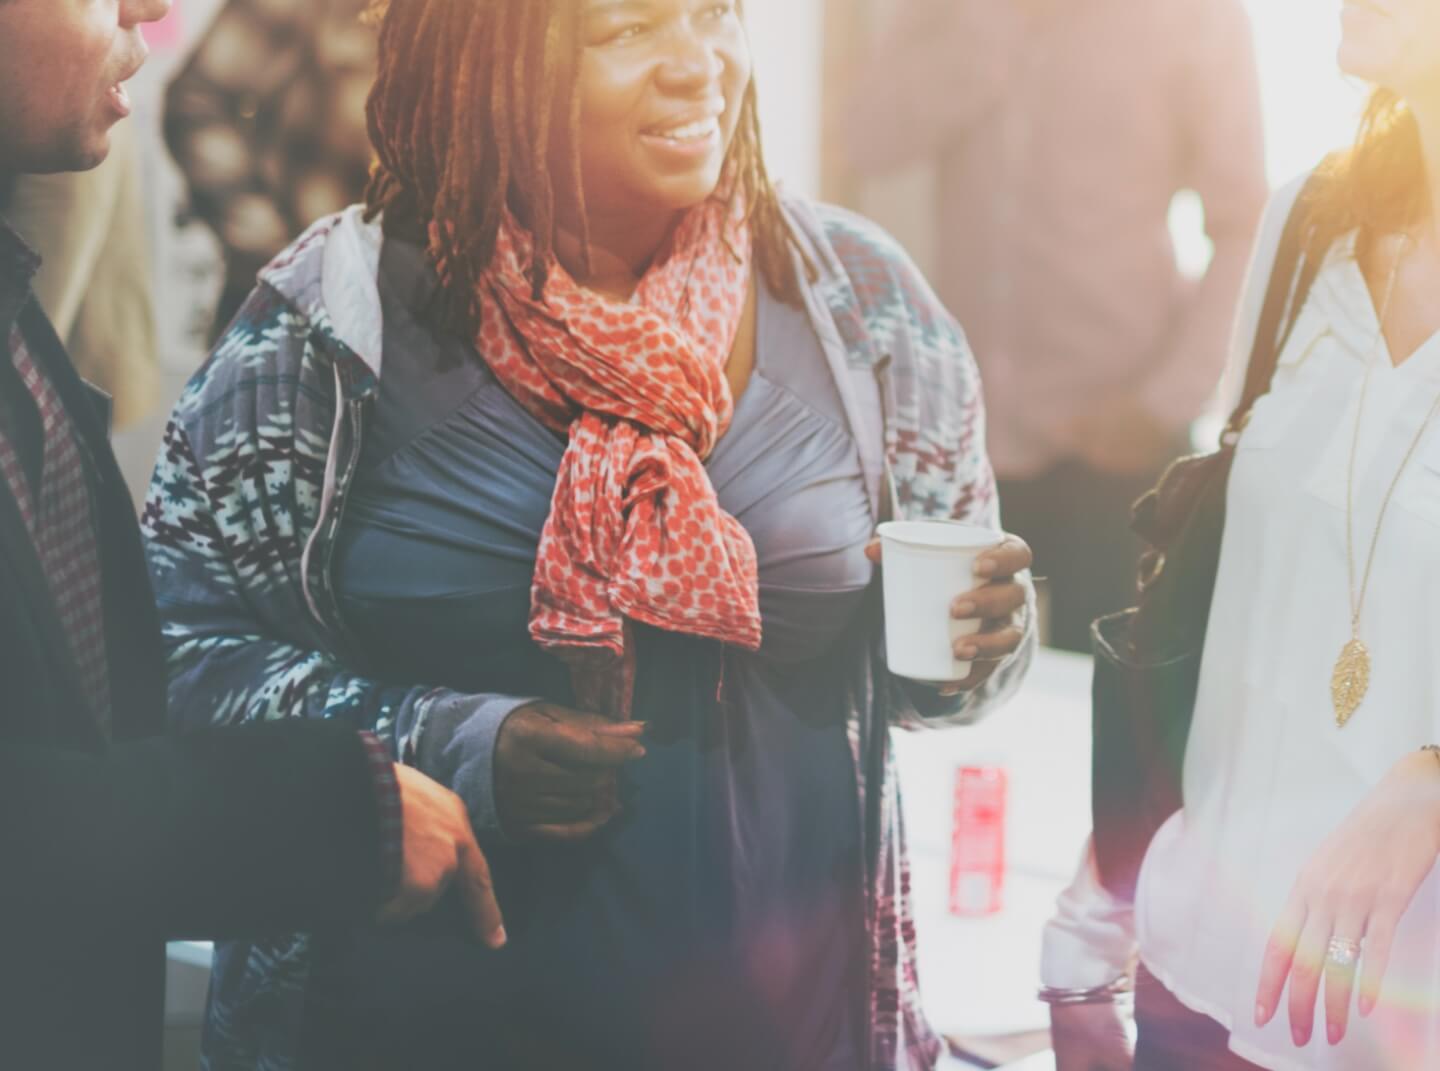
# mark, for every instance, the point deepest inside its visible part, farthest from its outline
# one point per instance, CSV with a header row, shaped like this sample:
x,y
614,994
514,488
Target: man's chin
x,y
93,153
85,156
78,149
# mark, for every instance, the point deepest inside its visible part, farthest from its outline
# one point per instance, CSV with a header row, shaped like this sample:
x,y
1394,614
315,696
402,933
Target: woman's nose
x,y
691,64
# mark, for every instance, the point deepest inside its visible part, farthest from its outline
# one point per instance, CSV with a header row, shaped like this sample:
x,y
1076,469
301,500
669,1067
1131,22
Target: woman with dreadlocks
x,y
557,465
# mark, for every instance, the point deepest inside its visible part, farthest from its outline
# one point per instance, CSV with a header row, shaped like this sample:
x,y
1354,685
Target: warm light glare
x,y
1310,108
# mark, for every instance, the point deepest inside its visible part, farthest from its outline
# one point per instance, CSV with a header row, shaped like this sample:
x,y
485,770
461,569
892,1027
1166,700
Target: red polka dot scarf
x,y
635,530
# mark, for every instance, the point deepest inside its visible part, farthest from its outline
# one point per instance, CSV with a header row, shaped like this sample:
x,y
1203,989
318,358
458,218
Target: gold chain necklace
x,y
1351,678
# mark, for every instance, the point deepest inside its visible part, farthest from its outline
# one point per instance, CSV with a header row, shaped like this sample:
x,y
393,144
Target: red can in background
x,y
977,841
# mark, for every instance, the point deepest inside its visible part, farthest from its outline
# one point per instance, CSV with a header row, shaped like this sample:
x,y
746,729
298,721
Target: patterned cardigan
x,y
250,490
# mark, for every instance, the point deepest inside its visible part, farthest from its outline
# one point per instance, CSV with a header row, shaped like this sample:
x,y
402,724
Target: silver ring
x,y
1343,953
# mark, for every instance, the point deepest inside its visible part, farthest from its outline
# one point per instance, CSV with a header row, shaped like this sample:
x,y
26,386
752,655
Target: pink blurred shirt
x,y
1062,130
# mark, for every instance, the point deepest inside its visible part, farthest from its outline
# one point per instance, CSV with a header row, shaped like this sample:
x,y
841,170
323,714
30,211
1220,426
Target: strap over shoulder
x,y
1291,277
1162,514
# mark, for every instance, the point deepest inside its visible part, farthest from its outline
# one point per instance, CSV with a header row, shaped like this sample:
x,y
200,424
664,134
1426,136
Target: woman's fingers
x,y
549,809
625,730
586,745
532,773
993,602
1340,976
1379,940
992,646
570,831
1000,563
1279,954
1305,974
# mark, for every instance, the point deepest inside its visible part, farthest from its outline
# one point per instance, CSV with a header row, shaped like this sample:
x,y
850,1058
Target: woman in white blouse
x,y
1289,916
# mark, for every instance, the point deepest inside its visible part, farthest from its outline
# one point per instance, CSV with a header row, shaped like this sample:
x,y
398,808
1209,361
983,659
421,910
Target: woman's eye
x,y
625,33
719,11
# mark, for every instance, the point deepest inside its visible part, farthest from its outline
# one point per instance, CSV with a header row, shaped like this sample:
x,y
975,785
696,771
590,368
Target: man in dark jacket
x,y
113,836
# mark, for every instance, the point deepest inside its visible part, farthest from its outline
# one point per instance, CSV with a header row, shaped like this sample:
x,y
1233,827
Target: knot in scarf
x,y
635,531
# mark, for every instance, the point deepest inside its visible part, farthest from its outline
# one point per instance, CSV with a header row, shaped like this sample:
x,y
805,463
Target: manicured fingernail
x,y
984,567
1262,1015
963,609
1333,1033
1366,1007
498,938
1299,1036
967,650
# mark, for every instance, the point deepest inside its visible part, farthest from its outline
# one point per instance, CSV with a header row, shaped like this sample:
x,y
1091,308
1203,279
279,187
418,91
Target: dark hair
x,y
1376,187
461,116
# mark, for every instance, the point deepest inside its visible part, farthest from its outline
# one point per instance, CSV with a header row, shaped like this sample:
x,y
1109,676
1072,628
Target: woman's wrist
x,y
1417,776
1110,993
1423,764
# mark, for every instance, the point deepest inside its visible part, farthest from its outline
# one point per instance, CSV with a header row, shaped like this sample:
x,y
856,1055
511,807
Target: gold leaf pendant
x,y
1350,681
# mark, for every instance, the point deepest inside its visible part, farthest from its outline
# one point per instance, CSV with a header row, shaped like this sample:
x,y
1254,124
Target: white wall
x,y
786,36
1310,107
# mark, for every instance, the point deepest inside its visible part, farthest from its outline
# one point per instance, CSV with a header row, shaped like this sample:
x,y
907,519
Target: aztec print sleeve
x,y
976,501
885,309
235,492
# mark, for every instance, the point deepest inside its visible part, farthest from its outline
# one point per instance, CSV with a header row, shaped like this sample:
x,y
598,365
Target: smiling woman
x,y
579,101
585,431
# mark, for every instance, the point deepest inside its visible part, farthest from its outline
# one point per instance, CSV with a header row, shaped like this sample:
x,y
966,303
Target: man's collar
x,y
18,265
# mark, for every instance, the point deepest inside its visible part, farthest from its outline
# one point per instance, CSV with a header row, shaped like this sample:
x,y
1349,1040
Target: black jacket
x,y
107,850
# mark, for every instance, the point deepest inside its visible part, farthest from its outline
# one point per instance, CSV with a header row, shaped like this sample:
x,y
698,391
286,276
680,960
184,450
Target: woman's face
x,y
661,84
1394,44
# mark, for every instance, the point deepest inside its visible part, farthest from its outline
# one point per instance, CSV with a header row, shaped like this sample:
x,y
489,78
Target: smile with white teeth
x,y
696,131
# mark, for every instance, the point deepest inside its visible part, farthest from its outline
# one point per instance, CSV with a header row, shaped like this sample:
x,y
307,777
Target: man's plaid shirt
x,y
59,513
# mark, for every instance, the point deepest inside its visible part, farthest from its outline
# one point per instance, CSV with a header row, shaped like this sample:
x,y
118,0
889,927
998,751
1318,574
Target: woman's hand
x,y
555,771
1355,888
1091,1037
996,600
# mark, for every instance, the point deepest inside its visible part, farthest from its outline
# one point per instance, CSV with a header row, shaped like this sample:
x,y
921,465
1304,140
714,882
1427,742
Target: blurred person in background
x,y
267,123
114,835
95,283
1062,131
1289,915
578,427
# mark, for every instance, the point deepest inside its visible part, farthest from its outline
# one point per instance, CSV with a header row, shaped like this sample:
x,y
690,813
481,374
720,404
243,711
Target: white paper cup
x,y
927,565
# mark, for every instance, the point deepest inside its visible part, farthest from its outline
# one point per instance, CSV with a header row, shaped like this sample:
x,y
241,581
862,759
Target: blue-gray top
x,y
719,920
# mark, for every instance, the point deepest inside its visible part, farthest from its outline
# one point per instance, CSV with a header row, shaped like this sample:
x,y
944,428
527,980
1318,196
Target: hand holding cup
x,y
952,600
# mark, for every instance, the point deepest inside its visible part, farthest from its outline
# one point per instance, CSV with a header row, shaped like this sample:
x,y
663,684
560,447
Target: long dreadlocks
x,y
460,118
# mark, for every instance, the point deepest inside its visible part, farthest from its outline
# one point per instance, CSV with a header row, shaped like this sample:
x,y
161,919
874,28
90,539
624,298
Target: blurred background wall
x,y
1309,109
